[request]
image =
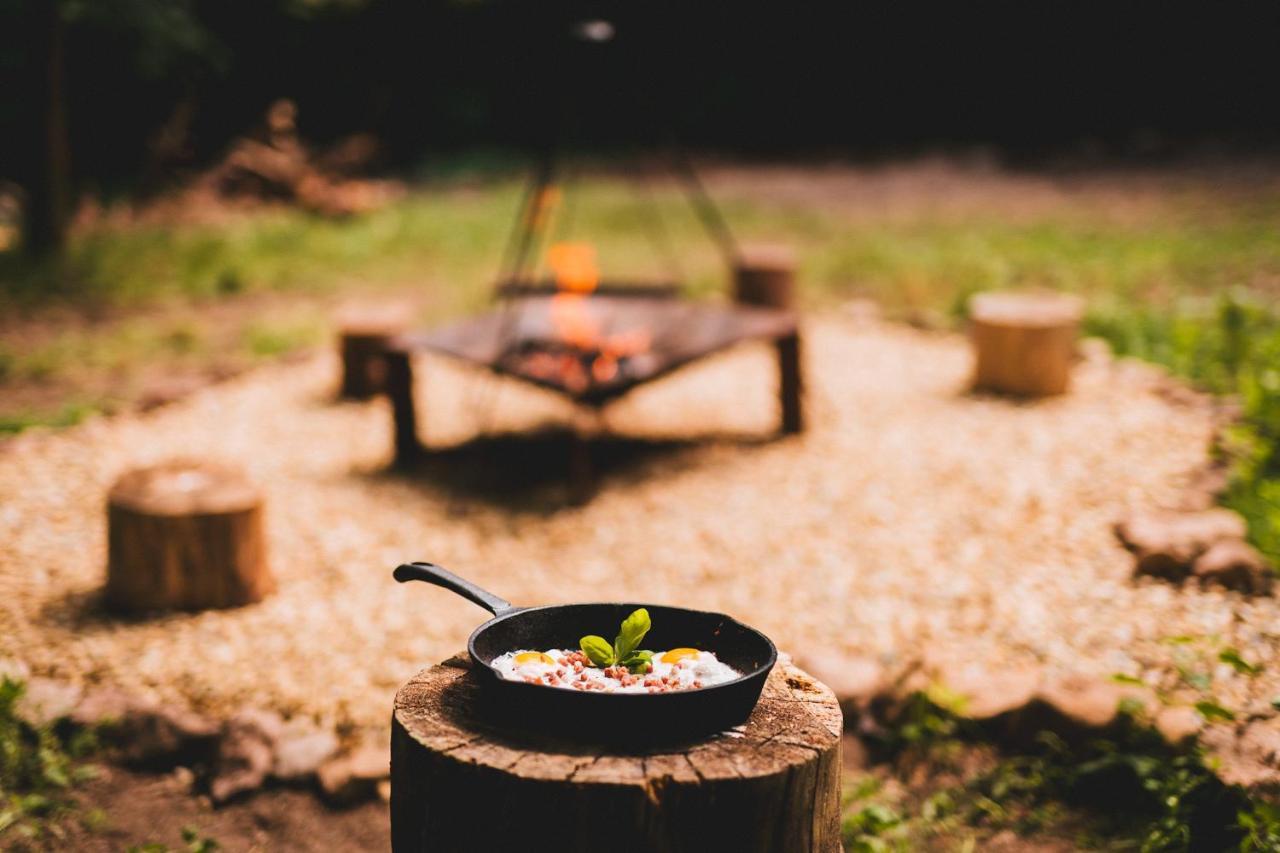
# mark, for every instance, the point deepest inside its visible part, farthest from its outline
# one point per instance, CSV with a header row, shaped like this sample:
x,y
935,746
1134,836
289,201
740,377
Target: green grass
x,y
1155,282
39,767
1126,791
449,237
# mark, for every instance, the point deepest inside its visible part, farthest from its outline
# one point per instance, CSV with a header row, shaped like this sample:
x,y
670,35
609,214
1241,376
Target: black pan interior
x,y
563,626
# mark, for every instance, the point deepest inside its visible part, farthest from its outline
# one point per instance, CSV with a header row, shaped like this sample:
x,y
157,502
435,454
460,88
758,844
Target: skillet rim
x,y
757,672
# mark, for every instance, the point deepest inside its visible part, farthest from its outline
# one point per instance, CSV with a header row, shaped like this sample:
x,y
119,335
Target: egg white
x,y
704,667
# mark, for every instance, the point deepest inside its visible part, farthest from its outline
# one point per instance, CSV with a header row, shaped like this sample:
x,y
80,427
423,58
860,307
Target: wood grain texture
x,y
362,339
185,535
462,782
765,276
1024,343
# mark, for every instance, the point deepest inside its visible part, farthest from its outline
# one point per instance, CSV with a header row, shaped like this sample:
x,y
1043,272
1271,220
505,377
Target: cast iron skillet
x,y
595,715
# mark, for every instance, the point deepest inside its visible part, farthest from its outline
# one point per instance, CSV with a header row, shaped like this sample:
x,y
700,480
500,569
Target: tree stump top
x,y
767,256
771,783
795,715
1026,309
184,487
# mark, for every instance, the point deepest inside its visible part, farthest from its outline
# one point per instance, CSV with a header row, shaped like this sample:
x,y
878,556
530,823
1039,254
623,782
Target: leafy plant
x,y
625,649
37,768
1232,658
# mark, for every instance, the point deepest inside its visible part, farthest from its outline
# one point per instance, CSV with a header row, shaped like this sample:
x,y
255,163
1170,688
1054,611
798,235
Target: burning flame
x,y
573,265
576,276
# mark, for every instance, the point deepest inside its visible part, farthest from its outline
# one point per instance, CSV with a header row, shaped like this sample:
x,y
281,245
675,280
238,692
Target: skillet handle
x,y
433,574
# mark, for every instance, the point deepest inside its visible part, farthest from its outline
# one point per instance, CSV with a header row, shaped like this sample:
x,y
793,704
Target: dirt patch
x,y
142,809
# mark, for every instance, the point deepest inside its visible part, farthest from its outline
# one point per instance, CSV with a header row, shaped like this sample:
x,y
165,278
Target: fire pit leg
x,y
399,386
790,383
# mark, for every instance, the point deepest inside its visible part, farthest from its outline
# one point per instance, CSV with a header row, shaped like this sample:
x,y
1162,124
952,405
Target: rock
x,y
1205,486
1178,725
1234,564
1166,543
246,754
1089,703
147,735
855,680
354,777
1251,758
991,695
183,779
101,706
300,753
14,669
44,701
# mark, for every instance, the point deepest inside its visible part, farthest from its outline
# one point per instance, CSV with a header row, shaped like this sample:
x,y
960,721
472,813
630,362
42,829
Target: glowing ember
x,y
580,354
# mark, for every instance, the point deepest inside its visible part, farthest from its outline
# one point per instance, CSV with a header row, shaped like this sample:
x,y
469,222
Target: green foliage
x,y
624,650
193,842
69,414
1171,800
1232,658
37,770
870,829
1231,347
597,650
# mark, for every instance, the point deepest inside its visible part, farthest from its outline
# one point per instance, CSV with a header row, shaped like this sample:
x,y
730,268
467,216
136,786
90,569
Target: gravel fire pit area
x,y
912,522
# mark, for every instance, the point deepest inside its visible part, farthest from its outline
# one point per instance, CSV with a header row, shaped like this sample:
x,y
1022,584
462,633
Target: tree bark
x,y
1024,343
185,536
765,276
363,337
461,782
49,188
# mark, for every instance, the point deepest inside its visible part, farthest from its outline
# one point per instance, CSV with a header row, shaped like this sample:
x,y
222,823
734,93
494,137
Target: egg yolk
x,y
534,657
678,655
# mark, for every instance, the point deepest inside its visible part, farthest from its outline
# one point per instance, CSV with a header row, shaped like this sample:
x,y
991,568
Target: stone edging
x,y
229,759
1013,705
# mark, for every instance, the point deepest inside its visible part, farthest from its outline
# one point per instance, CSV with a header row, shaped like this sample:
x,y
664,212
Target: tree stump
x,y
185,535
461,780
362,341
1024,342
764,275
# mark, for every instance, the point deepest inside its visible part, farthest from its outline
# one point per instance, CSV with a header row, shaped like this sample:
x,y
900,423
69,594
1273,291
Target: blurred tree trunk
x,y
49,186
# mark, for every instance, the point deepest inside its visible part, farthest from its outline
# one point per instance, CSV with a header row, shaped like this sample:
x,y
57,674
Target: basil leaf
x,y
634,627
639,662
597,650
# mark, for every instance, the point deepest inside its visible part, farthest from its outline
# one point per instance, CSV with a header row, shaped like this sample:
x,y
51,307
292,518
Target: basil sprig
x,y
625,650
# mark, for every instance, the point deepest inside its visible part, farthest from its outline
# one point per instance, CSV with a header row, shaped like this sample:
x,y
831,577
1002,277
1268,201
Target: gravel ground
x,y
911,522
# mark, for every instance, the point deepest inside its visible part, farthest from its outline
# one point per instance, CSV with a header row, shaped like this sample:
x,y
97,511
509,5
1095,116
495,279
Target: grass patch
x,y
1127,792
1228,345
38,768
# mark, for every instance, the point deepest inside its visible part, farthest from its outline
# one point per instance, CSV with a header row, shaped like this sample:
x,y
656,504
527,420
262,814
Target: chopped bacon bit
x,y
697,685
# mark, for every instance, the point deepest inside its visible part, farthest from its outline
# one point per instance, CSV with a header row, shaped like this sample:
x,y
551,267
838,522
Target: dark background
x,y
1029,79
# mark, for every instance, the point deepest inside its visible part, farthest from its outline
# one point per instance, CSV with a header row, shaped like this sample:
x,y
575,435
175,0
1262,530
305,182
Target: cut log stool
x,y
764,275
185,535
362,340
462,781
1024,343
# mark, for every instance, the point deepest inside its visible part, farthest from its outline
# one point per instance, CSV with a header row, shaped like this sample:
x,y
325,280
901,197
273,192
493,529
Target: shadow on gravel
x,y
550,469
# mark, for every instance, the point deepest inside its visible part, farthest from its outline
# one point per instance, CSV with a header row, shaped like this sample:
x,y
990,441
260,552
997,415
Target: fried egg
x,y
677,669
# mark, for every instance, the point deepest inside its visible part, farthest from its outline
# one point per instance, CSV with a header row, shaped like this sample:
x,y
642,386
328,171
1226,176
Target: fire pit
x,y
594,341
519,340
